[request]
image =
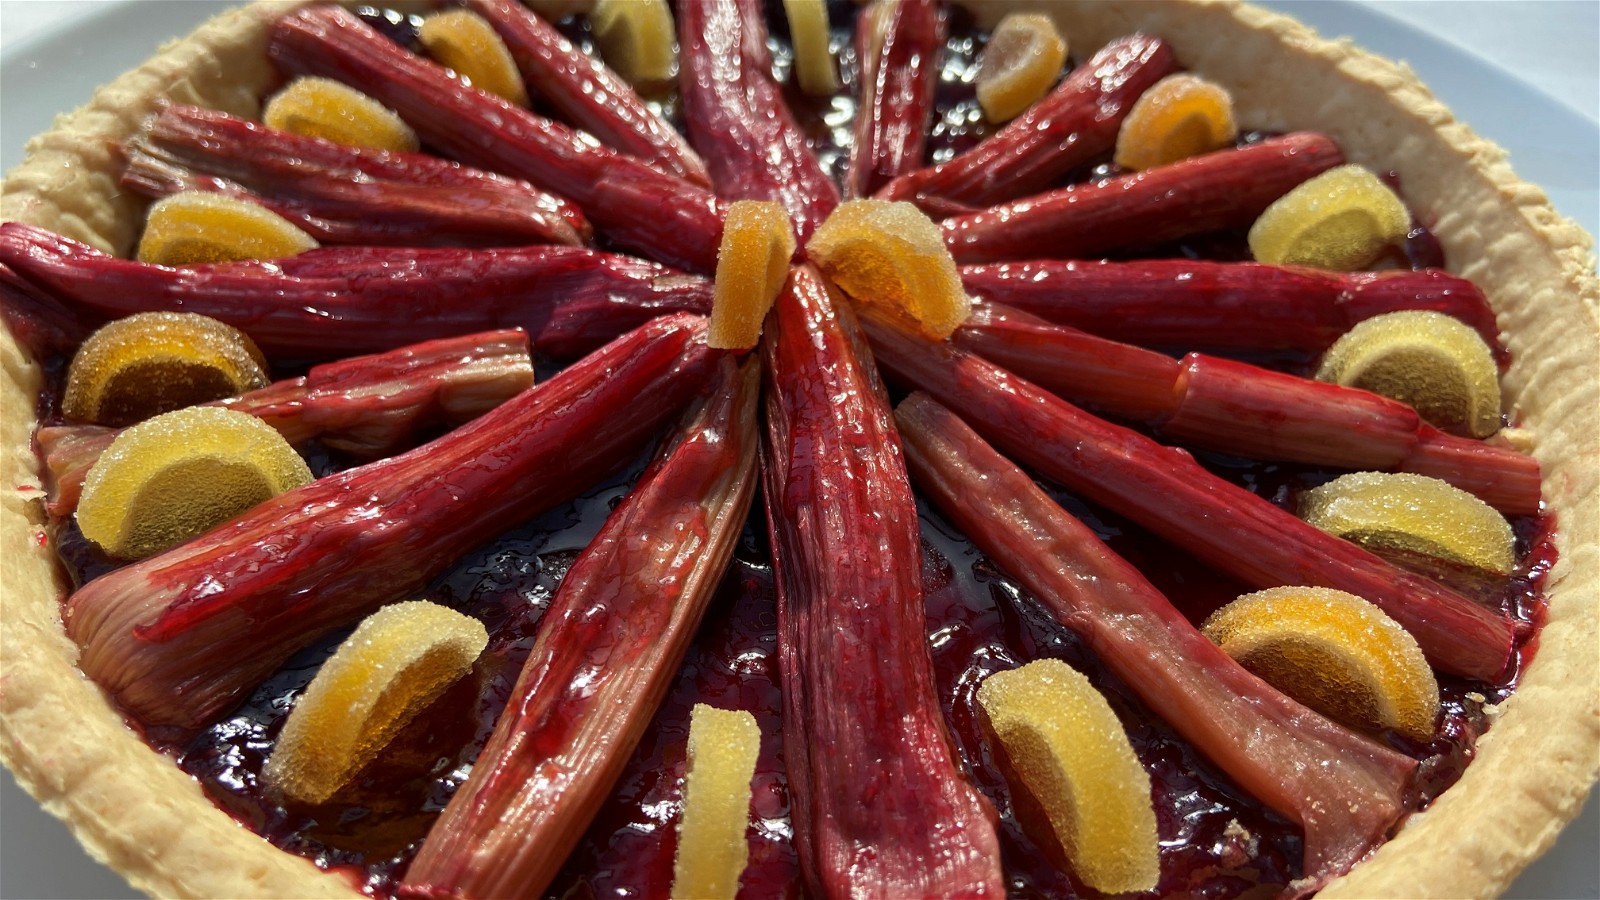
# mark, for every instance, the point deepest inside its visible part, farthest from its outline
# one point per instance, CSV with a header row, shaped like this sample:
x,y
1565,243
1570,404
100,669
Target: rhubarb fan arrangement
x,y
618,448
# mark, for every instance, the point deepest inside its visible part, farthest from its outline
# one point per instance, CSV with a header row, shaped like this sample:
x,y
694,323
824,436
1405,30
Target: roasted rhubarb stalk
x,y
608,649
638,207
869,762
1203,194
345,195
1167,492
587,93
1072,125
1238,408
178,637
1343,789
896,101
1192,305
736,113
336,301
367,406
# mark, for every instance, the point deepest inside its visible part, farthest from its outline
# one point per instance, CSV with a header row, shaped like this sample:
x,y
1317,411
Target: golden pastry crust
x,y
138,813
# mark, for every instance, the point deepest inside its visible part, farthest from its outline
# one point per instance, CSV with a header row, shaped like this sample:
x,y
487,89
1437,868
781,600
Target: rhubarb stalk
x,y
608,650
177,638
869,763
896,102
1343,789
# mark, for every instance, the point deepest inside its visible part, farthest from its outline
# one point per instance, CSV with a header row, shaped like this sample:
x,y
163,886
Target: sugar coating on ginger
x,y
712,850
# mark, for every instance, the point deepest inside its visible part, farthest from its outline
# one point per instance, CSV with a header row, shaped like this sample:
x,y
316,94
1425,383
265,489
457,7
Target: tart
x,y
70,747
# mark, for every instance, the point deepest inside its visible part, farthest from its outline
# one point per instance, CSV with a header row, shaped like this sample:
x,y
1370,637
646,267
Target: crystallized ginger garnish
x,y
180,474
156,362
1178,117
1073,756
1339,220
637,39
1436,364
462,40
1334,652
199,227
712,851
1019,65
324,108
892,256
813,59
396,662
1413,514
752,265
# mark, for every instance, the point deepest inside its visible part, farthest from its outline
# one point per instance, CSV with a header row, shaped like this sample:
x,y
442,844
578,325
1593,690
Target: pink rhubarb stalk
x,y
896,101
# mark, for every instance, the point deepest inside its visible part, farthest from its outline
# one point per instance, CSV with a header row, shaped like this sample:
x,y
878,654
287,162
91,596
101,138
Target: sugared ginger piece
x,y
465,41
637,38
1019,64
752,265
1436,364
199,227
813,59
324,108
1073,756
1334,652
1339,220
712,851
1180,116
180,474
1413,514
396,662
156,362
891,255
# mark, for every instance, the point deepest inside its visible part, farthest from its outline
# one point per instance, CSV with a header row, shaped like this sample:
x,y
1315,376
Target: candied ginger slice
x,y
1019,65
752,265
813,59
197,227
324,108
1334,652
396,662
891,255
637,39
712,851
1178,117
1339,220
1072,754
1438,365
156,362
1413,514
179,475
462,40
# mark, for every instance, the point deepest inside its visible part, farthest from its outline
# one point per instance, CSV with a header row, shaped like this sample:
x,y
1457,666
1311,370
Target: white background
x,y
1524,74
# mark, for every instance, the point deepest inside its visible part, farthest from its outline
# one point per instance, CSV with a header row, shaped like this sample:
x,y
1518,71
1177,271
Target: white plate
x,y
53,54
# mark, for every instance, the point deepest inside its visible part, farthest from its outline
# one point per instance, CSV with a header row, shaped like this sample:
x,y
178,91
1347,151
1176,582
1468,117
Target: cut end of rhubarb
x,y
198,227
890,255
462,40
1074,757
638,39
397,661
324,108
752,265
180,474
1438,365
1019,65
1340,220
813,59
1413,514
712,851
156,362
1179,117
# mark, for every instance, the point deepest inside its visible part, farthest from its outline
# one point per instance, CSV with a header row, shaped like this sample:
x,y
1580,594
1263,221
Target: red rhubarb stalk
x,y
1343,789
637,206
336,301
736,113
608,650
1500,476
896,102
348,195
1192,305
1072,125
1167,492
587,93
869,763
366,406
1203,194
179,637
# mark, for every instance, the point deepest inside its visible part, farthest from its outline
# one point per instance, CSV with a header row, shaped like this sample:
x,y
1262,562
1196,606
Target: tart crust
x,y
138,813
